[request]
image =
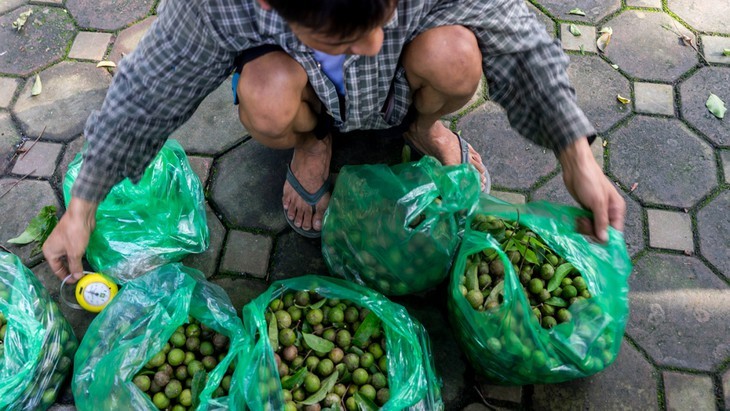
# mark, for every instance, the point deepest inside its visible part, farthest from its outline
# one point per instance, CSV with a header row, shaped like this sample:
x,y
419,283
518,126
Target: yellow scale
x,y
93,292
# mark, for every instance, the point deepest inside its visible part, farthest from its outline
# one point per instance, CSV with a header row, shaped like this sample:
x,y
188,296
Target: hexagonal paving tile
x,y
688,391
71,90
513,161
241,290
598,98
714,229
680,312
628,383
595,10
555,191
544,19
207,261
671,164
72,148
43,39
128,39
696,90
7,90
11,4
247,184
707,16
215,125
642,48
108,14
295,255
9,137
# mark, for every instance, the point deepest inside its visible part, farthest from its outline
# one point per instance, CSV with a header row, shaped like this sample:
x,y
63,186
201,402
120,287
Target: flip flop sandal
x,y
310,198
464,146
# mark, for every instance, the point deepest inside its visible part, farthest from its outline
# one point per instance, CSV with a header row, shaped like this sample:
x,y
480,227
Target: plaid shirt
x,y
191,47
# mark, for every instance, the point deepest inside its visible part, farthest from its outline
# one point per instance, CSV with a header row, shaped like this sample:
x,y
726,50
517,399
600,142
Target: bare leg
x,y
277,106
443,68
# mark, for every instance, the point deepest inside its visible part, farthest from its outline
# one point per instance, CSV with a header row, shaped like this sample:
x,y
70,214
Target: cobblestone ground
x,y
669,157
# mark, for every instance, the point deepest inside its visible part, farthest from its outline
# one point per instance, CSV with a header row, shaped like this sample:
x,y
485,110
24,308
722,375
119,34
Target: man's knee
x,y
446,58
270,94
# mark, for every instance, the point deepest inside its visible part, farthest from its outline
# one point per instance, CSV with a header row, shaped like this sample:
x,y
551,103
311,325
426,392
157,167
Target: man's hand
x,y
586,182
67,243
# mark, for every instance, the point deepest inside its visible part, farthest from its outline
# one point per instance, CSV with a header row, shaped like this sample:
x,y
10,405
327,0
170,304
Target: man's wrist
x,y
81,209
576,154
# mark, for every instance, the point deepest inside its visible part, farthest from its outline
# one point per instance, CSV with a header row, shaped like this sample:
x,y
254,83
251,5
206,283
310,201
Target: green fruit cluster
x,y
329,353
192,351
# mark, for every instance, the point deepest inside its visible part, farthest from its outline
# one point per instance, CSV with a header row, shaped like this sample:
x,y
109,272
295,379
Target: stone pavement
x,y
669,157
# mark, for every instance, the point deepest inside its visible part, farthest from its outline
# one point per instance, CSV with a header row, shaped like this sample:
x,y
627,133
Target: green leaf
x,y
582,50
531,257
577,12
726,52
37,86
556,302
318,344
318,304
574,30
274,333
366,329
39,227
197,387
560,273
716,106
26,237
364,403
496,291
292,381
406,154
537,243
472,277
324,389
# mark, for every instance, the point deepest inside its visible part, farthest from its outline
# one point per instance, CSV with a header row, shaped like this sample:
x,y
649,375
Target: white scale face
x,y
96,294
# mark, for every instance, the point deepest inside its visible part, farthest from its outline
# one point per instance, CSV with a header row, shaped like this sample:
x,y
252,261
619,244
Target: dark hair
x,y
335,17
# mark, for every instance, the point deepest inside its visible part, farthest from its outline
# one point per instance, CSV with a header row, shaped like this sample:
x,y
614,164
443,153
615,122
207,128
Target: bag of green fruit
x,y
168,340
328,344
396,229
533,301
140,226
36,342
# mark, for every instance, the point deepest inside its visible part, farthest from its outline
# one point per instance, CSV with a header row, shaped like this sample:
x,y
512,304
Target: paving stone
x,y
240,290
17,208
630,383
476,407
514,198
644,3
215,126
9,138
654,98
7,90
201,167
42,40
247,186
725,156
595,10
714,232
708,16
71,90
368,147
502,392
726,386
688,392
643,49
598,98
295,255
587,38
6,5
713,47
207,261
513,161
247,253
72,148
48,2
670,163
544,19
89,46
40,161
128,39
555,191
695,92
96,14
679,312
670,229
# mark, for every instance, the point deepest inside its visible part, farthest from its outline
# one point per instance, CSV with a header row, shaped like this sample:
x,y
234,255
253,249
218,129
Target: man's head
x,y
336,26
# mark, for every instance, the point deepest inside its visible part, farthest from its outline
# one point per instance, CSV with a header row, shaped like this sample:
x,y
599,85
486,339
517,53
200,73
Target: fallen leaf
x,y
37,86
574,30
716,106
22,19
106,63
577,12
623,100
688,253
604,39
633,187
726,52
582,50
605,143
615,66
686,210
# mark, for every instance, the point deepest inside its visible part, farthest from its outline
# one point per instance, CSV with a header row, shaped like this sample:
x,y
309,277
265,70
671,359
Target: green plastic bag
x,y
38,343
396,229
413,382
141,226
507,344
136,325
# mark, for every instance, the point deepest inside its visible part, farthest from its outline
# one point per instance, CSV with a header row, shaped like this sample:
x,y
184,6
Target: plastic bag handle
x,y
63,298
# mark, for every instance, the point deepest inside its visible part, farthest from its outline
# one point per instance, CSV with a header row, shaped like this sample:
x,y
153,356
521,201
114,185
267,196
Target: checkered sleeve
x,y
155,90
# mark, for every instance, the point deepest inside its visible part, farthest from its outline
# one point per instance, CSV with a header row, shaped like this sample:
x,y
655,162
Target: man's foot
x,y
310,165
440,142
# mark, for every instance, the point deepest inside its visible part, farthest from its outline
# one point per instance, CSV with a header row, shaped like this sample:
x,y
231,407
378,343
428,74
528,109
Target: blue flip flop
x,y
310,198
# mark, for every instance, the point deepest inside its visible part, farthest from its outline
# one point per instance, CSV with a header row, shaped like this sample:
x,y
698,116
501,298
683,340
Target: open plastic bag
x,y
38,343
413,382
138,323
141,226
507,343
396,229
